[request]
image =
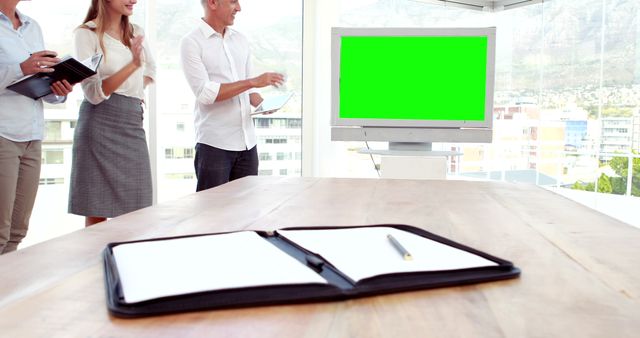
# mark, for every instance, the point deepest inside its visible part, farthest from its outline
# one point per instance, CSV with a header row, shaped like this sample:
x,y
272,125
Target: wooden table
x,y
580,269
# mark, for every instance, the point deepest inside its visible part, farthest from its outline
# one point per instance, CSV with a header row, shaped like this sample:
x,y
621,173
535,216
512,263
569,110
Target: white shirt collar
x,y
208,31
25,20
90,24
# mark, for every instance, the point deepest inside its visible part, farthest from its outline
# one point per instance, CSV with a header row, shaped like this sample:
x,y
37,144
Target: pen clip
x,y
314,262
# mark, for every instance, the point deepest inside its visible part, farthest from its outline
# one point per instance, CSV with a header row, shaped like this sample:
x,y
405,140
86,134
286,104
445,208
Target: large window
x,y
566,105
567,90
275,34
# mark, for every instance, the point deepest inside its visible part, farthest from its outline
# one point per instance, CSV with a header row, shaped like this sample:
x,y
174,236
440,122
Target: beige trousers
x,y
19,179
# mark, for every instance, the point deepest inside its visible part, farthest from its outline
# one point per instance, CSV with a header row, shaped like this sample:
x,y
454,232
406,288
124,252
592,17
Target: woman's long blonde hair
x,y
97,13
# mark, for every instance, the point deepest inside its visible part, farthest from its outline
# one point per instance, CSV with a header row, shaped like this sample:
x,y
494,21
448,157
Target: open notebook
x,y
150,270
286,266
38,85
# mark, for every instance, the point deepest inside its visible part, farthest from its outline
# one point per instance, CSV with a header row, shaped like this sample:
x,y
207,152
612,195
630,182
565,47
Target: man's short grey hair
x,y
204,2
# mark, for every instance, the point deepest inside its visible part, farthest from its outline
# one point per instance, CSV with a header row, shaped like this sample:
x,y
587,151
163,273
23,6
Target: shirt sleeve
x,y
249,73
8,74
12,71
149,60
86,45
196,74
53,98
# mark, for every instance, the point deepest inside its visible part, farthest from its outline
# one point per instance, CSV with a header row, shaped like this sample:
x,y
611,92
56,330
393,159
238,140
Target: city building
x,y
616,137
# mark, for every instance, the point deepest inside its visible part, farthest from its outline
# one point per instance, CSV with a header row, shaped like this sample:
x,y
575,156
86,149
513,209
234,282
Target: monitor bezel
x,y
338,32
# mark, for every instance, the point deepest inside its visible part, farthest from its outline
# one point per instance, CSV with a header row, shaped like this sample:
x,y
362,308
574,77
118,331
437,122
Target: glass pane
x,y
568,98
635,178
514,152
620,114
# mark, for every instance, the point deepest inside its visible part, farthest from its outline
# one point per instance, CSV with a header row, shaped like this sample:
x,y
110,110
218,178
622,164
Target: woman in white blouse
x,y
110,174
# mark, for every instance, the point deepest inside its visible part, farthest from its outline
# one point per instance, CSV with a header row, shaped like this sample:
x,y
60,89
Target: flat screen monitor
x,y
412,84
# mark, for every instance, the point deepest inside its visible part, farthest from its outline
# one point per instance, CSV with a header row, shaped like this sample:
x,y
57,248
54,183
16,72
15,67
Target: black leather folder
x,y
338,281
38,85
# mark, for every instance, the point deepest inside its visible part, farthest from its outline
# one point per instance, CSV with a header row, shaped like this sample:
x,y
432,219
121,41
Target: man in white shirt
x,y
21,121
216,63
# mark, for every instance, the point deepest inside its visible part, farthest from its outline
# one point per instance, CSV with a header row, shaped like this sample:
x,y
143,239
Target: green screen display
x,y
413,77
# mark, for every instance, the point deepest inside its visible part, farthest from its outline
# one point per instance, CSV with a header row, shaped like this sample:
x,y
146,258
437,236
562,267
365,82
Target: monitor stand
x,y
409,149
412,160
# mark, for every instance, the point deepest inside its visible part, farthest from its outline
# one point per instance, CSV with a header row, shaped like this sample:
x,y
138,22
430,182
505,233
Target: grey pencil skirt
x,y
110,171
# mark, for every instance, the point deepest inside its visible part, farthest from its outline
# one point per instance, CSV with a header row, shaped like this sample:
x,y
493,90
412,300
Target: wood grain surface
x,y
580,269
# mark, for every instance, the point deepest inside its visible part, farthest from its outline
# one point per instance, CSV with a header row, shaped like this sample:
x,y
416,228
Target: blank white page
x,y
366,252
154,269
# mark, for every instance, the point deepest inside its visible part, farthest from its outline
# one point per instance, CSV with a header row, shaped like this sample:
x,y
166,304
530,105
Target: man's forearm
x,y
229,90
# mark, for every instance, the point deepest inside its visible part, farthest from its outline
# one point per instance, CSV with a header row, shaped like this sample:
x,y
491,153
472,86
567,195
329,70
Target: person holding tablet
x,y
216,63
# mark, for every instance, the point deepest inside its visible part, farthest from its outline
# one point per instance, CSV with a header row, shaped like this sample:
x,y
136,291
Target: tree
x,y
579,185
616,185
620,166
604,184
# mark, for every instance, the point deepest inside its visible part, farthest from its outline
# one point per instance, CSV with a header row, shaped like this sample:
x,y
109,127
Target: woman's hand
x,y
39,62
111,83
61,88
137,50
